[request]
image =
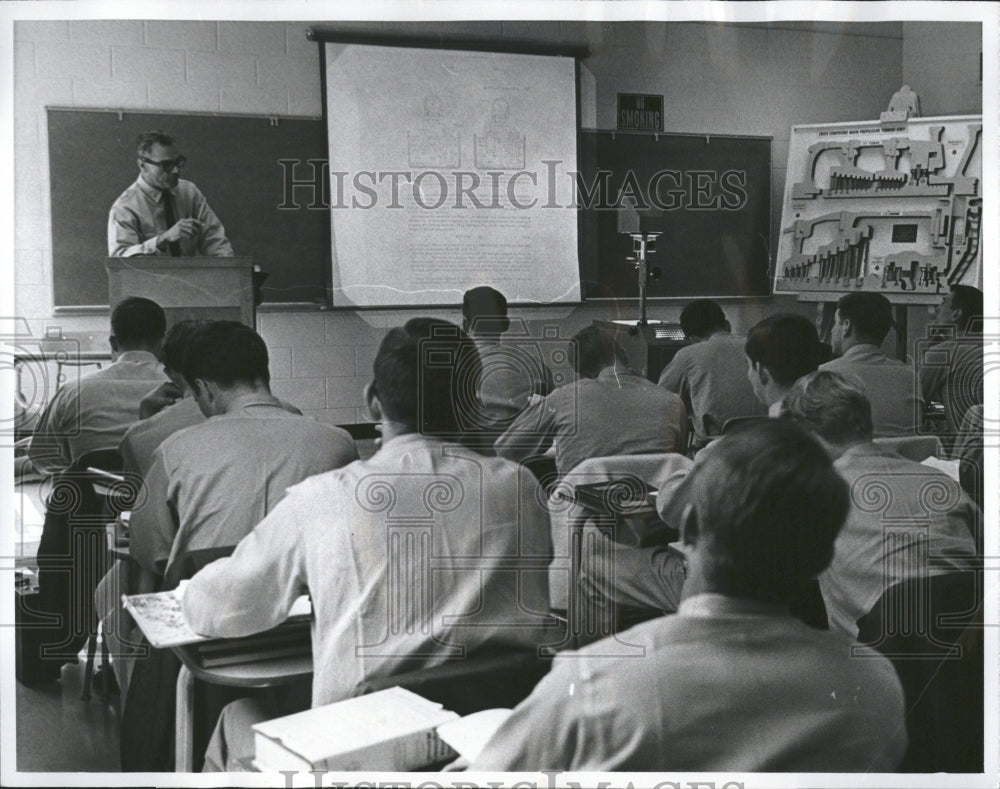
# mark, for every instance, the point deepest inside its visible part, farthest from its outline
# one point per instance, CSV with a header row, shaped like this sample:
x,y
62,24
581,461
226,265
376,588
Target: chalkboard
x,y
709,196
234,160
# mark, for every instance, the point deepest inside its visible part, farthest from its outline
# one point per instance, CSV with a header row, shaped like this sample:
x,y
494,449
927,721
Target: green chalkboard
x,y
709,196
234,160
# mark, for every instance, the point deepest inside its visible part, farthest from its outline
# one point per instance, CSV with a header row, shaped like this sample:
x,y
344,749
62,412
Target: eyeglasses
x,y
167,164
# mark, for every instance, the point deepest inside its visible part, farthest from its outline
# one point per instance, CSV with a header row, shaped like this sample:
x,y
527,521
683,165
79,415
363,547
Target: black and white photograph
x,y
524,395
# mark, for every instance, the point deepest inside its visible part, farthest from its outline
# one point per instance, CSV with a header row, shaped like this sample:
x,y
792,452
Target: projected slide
x,y
450,169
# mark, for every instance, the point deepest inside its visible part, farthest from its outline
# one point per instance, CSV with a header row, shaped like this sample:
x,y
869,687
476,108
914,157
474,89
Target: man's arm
x,y
48,449
154,525
531,433
213,235
125,237
252,590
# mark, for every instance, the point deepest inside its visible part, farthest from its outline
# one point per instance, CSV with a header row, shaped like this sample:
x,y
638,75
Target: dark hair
x,y
226,353
485,310
702,317
176,341
869,313
831,405
768,506
969,303
786,344
147,139
138,321
593,350
426,376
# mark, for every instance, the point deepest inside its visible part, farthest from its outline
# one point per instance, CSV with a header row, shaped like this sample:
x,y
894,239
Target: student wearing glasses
x,y
161,214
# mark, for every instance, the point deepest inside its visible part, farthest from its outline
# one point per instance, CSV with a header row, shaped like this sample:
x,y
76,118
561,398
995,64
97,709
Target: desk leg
x,y
184,725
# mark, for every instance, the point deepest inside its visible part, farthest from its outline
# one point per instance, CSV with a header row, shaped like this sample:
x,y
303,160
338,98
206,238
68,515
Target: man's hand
x,y
183,230
165,394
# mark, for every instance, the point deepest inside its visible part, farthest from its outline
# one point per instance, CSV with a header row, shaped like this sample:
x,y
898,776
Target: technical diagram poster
x,y
450,169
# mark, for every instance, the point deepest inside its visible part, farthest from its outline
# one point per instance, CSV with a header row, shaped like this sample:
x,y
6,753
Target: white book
x,y
469,734
390,730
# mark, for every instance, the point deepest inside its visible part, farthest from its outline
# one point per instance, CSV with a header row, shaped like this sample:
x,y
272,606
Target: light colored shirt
x,y
891,387
906,520
511,373
616,413
138,216
407,556
724,685
93,412
951,373
711,377
210,484
142,439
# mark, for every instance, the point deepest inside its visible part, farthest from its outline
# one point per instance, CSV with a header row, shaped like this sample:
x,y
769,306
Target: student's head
x,y
764,506
780,350
964,308
484,312
831,406
426,374
703,318
137,324
861,319
593,349
158,159
224,360
175,345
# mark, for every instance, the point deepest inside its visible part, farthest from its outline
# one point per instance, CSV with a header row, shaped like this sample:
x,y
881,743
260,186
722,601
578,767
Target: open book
x,y
161,619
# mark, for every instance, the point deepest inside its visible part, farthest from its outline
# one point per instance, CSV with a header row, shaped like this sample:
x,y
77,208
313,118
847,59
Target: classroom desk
x,y
262,674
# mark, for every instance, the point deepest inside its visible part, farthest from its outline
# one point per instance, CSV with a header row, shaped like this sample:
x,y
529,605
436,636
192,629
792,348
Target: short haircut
x,y
426,377
176,341
147,139
138,321
768,506
225,353
786,344
831,405
485,310
702,317
969,303
595,349
869,313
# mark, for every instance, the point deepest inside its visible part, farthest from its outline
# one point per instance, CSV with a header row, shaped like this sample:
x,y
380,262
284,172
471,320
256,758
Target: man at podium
x,y
161,214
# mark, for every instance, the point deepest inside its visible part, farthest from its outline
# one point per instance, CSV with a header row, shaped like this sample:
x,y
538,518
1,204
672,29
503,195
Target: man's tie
x,y
168,208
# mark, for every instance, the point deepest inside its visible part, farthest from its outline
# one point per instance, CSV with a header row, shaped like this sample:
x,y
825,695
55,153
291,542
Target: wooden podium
x,y
188,288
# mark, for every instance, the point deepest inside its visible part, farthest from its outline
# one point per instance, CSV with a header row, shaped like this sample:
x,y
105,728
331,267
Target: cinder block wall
x,y
736,79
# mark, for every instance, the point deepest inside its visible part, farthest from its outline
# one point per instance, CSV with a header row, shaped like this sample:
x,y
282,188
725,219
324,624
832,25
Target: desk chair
x,y
738,422
583,532
916,448
481,681
932,631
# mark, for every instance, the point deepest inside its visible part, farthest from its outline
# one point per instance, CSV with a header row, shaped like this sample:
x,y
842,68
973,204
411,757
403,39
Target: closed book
x,y
390,730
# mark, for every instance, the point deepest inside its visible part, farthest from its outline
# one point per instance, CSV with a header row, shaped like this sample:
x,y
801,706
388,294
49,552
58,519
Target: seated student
x,y
709,373
479,578
168,408
895,528
95,411
608,411
951,372
209,484
861,323
511,371
780,349
731,682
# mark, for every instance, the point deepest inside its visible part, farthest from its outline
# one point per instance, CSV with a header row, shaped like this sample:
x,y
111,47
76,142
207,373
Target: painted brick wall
x,y
941,63
751,80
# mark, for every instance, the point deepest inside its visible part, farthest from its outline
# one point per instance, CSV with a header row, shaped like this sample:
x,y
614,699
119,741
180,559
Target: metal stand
x,y
642,244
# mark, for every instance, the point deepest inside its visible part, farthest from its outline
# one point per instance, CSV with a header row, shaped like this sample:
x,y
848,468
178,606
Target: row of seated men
x,y
760,512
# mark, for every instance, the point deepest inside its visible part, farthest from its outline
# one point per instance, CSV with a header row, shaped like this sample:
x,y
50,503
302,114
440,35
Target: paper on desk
x,y
468,735
949,467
